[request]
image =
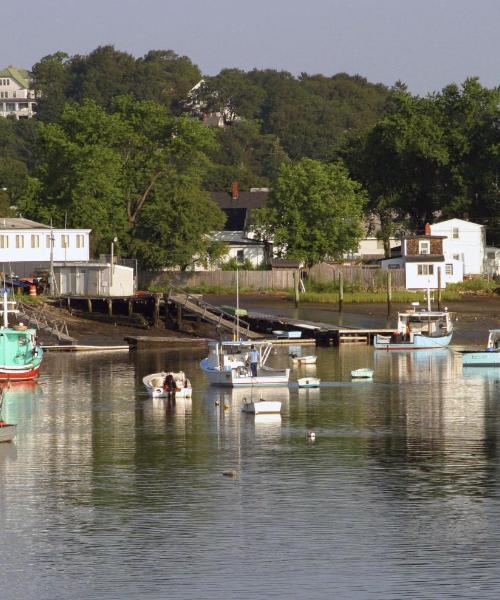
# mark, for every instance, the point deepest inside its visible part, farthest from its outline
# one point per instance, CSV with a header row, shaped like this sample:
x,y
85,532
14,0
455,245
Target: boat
x,y
7,430
303,360
20,353
287,334
158,386
309,382
418,330
227,364
261,406
489,357
362,373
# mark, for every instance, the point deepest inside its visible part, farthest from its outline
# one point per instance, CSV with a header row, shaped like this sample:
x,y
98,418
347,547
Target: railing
x,y
39,318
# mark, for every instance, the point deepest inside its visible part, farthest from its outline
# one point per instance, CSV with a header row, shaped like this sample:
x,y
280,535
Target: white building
x,y
425,263
93,279
17,100
465,241
27,246
492,262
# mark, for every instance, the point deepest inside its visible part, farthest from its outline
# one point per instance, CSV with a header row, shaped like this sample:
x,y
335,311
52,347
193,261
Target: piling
x,y
389,293
296,288
341,290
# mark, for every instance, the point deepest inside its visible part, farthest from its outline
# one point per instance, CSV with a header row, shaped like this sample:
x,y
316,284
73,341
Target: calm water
x,y
107,494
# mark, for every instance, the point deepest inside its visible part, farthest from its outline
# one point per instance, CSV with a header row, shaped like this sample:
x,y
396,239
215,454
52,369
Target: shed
x,y
93,279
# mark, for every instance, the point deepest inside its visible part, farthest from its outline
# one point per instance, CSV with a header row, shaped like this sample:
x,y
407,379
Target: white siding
x,y
18,245
469,246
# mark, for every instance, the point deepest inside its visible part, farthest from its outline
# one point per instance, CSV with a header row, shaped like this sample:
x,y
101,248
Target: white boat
x,y
177,384
362,373
489,357
261,406
227,364
303,360
287,334
418,330
309,382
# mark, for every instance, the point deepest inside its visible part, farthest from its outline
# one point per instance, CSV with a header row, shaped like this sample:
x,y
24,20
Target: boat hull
x,y
362,374
481,359
308,382
420,342
231,377
151,383
19,373
262,407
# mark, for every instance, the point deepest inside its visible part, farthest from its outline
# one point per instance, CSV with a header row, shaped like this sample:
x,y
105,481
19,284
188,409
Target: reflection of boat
x,y
227,364
287,334
166,385
362,374
303,360
20,354
261,406
309,382
490,357
236,397
7,430
423,329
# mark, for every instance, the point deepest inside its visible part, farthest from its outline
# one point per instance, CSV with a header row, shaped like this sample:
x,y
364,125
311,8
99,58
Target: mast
x,y
237,305
5,309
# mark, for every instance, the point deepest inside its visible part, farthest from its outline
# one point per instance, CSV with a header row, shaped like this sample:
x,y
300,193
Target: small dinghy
x,y
168,385
362,374
260,407
309,382
303,360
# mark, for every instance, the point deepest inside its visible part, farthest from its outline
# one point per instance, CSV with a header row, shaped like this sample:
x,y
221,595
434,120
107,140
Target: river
x,y
107,494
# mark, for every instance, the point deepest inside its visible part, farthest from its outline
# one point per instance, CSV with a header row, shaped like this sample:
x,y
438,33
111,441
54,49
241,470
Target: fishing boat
x,y
303,360
228,364
362,373
417,330
20,354
7,430
261,406
489,357
308,382
168,385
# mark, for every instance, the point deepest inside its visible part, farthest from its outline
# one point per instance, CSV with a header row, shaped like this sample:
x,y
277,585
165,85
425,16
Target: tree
x,y
134,173
314,212
51,81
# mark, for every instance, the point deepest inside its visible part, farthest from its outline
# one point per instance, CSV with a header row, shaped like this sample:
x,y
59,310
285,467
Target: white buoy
x,y
311,435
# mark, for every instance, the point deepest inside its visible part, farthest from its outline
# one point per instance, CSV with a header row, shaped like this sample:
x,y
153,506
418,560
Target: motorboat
x,y
228,364
168,384
489,357
309,382
287,334
418,330
261,406
20,353
303,360
362,373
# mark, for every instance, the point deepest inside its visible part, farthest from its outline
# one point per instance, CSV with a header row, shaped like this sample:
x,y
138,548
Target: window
x,y
19,241
456,233
65,241
424,247
80,240
14,94
35,241
426,269
240,255
47,241
4,241
456,257
448,269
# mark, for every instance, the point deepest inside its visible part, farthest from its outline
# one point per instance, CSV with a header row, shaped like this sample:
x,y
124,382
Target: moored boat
x,y
168,385
261,406
308,382
362,373
489,357
303,360
228,364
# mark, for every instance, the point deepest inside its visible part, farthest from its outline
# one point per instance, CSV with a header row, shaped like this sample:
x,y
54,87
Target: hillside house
x,y
423,259
465,241
17,100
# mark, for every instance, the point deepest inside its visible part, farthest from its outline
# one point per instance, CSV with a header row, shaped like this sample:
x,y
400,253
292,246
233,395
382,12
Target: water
x,y
107,494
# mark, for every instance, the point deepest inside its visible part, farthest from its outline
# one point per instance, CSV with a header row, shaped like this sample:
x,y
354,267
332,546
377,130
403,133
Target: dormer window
x,y
456,233
424,247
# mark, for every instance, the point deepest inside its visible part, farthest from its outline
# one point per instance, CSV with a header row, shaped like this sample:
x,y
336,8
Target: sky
x,y
425,43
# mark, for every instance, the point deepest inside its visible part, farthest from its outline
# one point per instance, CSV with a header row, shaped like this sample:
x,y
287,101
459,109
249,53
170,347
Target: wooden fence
x,y
365,278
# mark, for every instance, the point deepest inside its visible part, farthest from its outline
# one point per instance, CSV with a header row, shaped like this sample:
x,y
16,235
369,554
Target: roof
x,y
225,200
20,223
451,222
422,236
20,75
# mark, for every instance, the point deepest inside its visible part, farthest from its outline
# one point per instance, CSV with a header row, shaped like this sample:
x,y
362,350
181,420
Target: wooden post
x,y
439,288
341,291
110,307
130,306
89,305
296,287
156,314
179,316
389,293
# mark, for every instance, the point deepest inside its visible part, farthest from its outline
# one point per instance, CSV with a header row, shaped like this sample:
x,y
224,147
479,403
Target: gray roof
x,y
244,200
20,223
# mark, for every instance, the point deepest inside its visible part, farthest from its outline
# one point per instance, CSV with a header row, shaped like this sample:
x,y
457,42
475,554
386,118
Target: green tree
x,y
314,212
134,173
51,81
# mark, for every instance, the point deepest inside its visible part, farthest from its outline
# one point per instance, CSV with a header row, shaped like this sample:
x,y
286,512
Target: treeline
x,y
117,146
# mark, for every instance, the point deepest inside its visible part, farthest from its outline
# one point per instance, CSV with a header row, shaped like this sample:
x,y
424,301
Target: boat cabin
x,y
493,340
424,322
231,355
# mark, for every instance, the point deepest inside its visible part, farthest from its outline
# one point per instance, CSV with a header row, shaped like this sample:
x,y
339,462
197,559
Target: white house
x,y
464,241
17,100
27,246
424,262
492,262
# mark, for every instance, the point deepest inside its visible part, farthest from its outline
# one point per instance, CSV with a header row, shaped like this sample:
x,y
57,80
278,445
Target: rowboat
x,y
362,374
309,382
303,360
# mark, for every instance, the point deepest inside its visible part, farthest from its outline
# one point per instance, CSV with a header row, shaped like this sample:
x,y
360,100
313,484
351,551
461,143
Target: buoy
x,y
230,473
217,403
311,435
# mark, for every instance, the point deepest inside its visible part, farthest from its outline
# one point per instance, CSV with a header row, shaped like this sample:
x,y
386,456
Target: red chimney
x,y
235,191
427,229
